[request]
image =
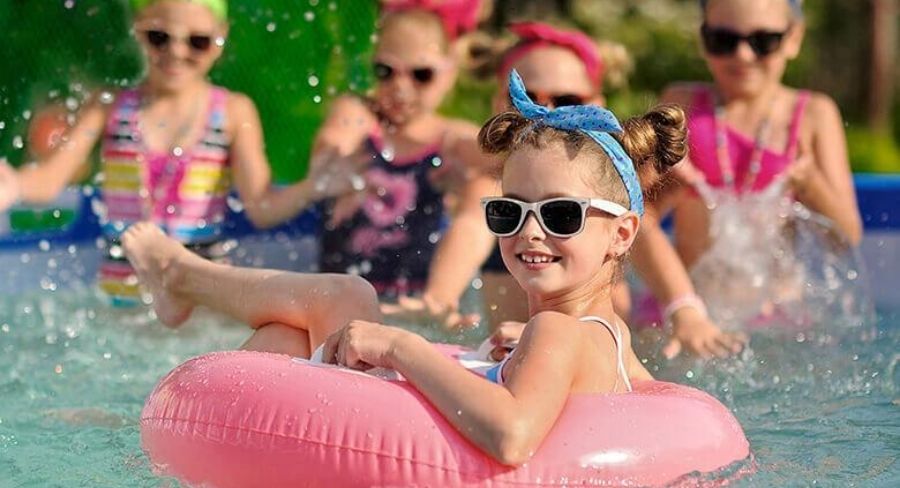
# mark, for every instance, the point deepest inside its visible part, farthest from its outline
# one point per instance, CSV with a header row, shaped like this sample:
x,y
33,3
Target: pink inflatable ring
x,y
243,419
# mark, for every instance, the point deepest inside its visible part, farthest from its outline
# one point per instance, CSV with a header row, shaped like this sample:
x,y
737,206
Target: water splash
x,y
774,262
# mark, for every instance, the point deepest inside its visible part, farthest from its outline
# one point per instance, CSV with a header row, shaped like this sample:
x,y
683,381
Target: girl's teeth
x,y
536,259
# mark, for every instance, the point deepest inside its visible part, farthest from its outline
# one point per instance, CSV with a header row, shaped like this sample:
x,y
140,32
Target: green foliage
x,y
871,152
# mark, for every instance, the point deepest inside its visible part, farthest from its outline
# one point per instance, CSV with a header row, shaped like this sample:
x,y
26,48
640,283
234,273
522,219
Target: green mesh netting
x,y
289,56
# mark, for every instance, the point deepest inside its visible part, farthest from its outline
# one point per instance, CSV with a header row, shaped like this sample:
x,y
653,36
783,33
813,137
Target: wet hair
x,y
421,19
219,8
655,141
795,5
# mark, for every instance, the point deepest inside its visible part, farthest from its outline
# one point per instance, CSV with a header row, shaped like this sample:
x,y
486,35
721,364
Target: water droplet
x,y
44,245
309,16
177,150
17,142
313,80
69,4
271,27
317,99
235,205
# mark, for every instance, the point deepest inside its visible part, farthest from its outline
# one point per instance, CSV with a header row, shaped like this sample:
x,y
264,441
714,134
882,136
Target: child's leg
x,y
179,280
279,338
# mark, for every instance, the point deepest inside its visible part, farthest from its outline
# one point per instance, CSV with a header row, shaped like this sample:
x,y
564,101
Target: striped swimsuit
x,y
183,191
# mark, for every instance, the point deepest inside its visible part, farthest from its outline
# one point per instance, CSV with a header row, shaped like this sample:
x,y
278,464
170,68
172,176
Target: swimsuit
x,y
184,191
750,263
391,238
495,373
704,153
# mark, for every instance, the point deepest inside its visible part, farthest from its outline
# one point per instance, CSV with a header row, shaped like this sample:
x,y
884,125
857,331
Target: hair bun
x,y
656,141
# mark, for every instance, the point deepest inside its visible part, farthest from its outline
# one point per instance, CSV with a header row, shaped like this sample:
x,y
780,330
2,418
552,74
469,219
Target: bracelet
x,y
687,300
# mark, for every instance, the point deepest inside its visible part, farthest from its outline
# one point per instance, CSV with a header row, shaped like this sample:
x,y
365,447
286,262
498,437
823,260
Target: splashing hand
x,y
362,345
802,169
333,175
10,189
694,333
428,310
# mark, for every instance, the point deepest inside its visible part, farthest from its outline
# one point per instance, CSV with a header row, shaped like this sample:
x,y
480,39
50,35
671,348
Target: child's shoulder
x,y
238,102
820,104
821,109
550,321
683,92
460,128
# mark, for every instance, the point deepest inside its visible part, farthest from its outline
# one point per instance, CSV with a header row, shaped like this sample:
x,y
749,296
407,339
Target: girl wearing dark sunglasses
x,y
389,161
570,211
750,136
172,147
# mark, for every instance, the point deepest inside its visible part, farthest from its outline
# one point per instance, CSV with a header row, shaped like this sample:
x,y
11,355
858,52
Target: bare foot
x,y
152,254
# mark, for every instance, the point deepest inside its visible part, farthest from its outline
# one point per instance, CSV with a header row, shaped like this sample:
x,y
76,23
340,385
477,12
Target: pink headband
x,y
458,16
536,34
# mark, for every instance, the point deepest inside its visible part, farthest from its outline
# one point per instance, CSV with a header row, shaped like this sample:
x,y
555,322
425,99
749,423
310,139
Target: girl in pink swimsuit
x,y
753,141
172,147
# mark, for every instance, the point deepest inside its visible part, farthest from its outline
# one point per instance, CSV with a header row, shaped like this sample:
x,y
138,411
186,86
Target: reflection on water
x,y
772,262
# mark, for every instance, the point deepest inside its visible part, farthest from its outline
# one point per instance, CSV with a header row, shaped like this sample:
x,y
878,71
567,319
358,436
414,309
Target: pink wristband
x,y
686,300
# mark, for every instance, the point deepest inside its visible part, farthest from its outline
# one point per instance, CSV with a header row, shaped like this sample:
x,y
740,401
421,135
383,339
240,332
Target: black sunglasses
x,y
719,41
159,39
384,72
556,100
559,217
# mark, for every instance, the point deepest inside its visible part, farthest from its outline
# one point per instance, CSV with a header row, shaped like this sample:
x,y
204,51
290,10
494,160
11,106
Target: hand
x,y
345,207
687,173
505,338
802,170
10,189
694,332
363,345
333,175
429,310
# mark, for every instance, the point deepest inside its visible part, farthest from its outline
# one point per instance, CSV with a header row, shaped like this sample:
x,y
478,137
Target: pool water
x,y
820,407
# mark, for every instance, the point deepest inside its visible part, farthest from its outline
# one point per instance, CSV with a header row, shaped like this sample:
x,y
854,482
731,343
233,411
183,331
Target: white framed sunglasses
x,y
559,217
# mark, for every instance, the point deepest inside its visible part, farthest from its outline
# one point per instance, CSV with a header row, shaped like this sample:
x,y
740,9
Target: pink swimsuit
x,y
702,144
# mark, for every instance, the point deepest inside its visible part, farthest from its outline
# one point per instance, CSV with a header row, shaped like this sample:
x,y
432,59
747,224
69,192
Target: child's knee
x,y
361,294
344,298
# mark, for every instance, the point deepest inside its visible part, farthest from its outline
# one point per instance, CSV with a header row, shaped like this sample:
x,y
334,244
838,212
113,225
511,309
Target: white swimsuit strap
x,y
617,338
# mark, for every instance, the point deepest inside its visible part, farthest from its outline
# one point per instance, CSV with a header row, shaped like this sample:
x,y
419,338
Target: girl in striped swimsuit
x,y
172,148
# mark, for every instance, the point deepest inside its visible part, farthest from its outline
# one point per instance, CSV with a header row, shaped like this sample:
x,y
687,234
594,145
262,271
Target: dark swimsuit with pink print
x,y
391,238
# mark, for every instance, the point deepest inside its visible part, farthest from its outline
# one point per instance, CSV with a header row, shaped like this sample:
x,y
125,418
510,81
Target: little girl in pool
x,y
171,148
570,211
751,139
394,158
